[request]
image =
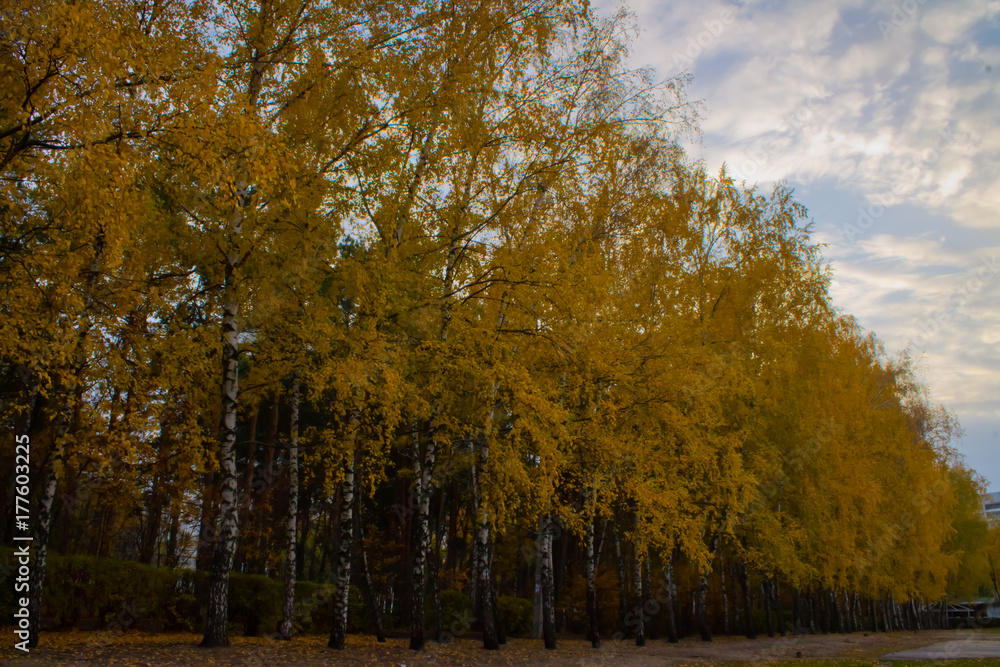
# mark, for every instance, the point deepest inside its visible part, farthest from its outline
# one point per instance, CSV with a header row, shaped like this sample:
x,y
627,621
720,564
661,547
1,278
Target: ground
x,y
137,648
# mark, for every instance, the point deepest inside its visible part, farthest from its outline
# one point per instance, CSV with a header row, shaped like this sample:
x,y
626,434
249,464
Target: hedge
x,y
88,592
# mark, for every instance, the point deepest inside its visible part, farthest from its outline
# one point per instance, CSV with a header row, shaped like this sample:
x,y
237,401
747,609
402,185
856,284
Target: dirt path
x,y
136,648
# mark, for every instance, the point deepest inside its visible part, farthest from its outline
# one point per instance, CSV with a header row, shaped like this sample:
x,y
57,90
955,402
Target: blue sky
x,y
884,118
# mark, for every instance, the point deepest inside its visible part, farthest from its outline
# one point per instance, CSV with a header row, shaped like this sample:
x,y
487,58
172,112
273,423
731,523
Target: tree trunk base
x,y
214,642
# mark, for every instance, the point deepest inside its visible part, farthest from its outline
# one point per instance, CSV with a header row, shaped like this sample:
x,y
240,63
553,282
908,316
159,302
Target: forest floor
x,y
138,648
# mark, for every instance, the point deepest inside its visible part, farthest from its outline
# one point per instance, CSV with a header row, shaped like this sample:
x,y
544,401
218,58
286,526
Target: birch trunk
x,y
285,630
639,625
830,615
423,491
796,611
536,620
41,540
841,623
593,630
706,632
747,611
474,571
484,594
725,600
217,620
484,588
338,633
42,532
833,611
434,567
622,593
738,625
671,601
778,612
548,583
765,589
818,611
424,469
811,604
848,614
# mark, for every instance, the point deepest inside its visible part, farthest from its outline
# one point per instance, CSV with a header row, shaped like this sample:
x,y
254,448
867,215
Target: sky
x,y
885,119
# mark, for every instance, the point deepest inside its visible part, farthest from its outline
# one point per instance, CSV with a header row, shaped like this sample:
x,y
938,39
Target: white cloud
x,y
948,24
869,112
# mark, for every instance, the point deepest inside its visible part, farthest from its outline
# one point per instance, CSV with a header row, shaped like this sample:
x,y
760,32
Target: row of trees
x,y
474,308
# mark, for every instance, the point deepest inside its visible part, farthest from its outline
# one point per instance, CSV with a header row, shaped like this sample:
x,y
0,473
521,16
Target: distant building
x,y
992,505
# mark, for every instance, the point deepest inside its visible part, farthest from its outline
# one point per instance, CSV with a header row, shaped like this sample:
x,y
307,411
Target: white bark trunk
x,y
536,619
41,543
338,634
484,587
671,600
291,519
216,633
640,621
423,494
593,629
548,584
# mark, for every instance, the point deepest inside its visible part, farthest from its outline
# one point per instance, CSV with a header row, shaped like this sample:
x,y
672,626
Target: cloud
x,y
870,112
938,301
949,24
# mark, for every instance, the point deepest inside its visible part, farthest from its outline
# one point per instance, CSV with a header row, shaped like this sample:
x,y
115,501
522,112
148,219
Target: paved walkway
x,y
980,647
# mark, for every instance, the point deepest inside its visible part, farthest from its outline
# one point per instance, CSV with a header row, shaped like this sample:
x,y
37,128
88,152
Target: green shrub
x,y
313,607
256,601
180,605
517,615
456,611
96,592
